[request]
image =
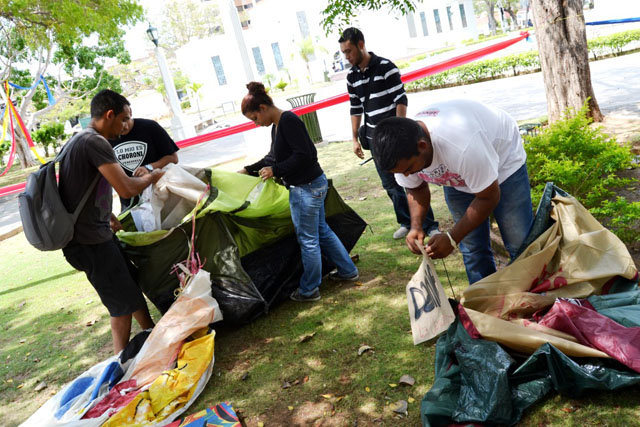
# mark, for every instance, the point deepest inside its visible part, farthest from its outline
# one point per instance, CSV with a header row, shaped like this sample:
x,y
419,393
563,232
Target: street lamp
x,y
152,32
180,126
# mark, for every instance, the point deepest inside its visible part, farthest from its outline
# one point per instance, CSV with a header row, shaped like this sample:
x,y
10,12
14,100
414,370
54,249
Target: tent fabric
x,y
596,330
221,415
245,238
503,386
570,300
154,379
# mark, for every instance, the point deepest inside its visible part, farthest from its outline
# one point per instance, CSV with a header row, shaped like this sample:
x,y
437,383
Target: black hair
x,y
353,35
396,138
257,96
106,100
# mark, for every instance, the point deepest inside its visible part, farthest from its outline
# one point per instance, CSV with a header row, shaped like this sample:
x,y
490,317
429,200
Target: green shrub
x,y
444,49
5,147
49,135
612,43
511,65
583,161
402,64
281,85
185,104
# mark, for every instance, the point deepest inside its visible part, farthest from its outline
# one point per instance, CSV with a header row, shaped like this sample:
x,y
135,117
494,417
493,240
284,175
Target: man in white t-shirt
x,y
476,153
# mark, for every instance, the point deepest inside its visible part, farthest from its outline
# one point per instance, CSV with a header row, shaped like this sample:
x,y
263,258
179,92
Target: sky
x,y
136,40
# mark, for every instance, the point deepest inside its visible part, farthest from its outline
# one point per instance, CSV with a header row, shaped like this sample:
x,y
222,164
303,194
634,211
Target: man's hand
x,y
243,171
266,173
115,224
413,235
140,171
156,175
439,246
357,149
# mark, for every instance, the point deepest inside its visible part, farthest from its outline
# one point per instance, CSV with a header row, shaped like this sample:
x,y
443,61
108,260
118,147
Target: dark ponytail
x,y
257,96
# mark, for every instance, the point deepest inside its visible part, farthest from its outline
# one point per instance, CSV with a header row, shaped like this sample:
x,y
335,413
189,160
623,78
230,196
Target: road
x,y
616,83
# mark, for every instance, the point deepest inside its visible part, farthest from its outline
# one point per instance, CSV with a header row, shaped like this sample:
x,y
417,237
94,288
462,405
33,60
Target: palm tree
x,y
194,88
307,50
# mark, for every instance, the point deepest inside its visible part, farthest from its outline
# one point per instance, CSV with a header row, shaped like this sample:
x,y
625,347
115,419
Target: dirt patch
x,y
625,126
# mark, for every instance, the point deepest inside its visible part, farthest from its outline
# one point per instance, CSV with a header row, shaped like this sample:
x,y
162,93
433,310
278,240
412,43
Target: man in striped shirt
x,y
376,90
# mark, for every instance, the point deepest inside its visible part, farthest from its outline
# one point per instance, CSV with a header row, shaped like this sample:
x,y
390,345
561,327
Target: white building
x,y
273,31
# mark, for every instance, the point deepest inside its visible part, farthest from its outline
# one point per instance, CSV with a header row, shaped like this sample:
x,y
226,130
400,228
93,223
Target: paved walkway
x,y
615,81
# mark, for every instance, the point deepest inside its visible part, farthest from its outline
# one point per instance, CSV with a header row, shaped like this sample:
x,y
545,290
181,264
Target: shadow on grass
x,y
37,282
38,352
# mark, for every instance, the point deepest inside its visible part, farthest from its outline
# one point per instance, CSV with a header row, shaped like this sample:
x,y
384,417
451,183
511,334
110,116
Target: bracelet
x,y
149,167
453,242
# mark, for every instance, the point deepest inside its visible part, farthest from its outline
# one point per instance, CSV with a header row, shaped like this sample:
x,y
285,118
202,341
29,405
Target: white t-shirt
x,y
473,145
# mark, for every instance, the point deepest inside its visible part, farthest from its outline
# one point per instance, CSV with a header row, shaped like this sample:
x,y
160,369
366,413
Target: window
x,y
411,22
217,65
277,55
423,19
463,16
449,15
302,23
436,16
257,56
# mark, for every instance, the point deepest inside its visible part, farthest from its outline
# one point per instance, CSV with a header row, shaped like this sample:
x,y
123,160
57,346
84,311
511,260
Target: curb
x,y
10,233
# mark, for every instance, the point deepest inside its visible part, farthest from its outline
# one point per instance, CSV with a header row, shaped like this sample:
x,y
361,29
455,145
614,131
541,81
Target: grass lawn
x,y
54,328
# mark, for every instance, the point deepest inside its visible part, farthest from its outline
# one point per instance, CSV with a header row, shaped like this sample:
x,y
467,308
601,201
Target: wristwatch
x,y
149,167
453,242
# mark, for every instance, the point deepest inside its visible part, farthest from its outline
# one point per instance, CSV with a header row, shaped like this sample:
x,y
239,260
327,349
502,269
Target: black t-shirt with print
x,y
146,143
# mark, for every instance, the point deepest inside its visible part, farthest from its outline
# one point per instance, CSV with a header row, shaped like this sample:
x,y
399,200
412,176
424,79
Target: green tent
x,y
244,237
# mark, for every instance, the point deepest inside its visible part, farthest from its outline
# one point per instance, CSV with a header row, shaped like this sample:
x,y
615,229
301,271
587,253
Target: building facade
x,y
284,42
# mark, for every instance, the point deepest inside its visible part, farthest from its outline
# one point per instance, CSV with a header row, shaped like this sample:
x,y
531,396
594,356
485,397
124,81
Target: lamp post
x,y
180,126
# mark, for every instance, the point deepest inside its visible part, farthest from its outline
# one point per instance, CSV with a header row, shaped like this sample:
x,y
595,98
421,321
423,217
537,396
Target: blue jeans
x,y
514,215
398,197
314,234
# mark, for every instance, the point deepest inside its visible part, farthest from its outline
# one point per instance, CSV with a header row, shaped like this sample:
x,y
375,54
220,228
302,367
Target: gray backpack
x,y
45,220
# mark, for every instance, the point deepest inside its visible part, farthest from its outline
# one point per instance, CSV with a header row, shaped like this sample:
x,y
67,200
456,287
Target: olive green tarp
x,y
245,239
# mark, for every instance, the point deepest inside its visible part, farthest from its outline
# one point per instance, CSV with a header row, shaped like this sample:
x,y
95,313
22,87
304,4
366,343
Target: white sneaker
x,y
401,233
434,232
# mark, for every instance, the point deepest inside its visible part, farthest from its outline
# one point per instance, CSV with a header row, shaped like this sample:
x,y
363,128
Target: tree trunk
x,y
490,15
23,151
564,57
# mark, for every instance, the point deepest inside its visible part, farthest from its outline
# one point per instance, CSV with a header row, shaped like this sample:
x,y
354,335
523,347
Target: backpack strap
x,y
83,201
85,196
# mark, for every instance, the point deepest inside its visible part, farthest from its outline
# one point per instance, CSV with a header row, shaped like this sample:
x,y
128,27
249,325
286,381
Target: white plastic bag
x,y
429,309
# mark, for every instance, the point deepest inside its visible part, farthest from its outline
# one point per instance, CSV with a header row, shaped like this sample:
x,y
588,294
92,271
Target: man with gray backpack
x,y
89,171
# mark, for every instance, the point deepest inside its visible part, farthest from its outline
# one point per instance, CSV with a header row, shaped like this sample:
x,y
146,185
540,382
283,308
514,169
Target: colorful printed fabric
x,y
173,390
221,415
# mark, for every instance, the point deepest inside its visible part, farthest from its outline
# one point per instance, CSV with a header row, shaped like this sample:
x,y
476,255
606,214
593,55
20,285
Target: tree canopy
x,y
339,14
189,19
67,42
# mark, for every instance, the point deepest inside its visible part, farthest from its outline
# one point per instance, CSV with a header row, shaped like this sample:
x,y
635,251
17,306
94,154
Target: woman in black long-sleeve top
x,y
293,158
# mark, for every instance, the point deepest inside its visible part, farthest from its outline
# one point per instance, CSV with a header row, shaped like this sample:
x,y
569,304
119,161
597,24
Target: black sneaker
x,y
339,278
297,296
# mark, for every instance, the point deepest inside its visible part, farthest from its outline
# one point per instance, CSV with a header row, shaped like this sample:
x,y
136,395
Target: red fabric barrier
x,y
334,100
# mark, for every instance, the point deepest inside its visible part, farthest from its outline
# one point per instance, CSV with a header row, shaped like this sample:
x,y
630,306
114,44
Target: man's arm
x,y
158,164
355,125
419,200
125,186
401,110
480,208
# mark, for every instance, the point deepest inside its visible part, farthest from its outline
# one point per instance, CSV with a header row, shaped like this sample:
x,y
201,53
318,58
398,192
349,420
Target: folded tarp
x,y
559,301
